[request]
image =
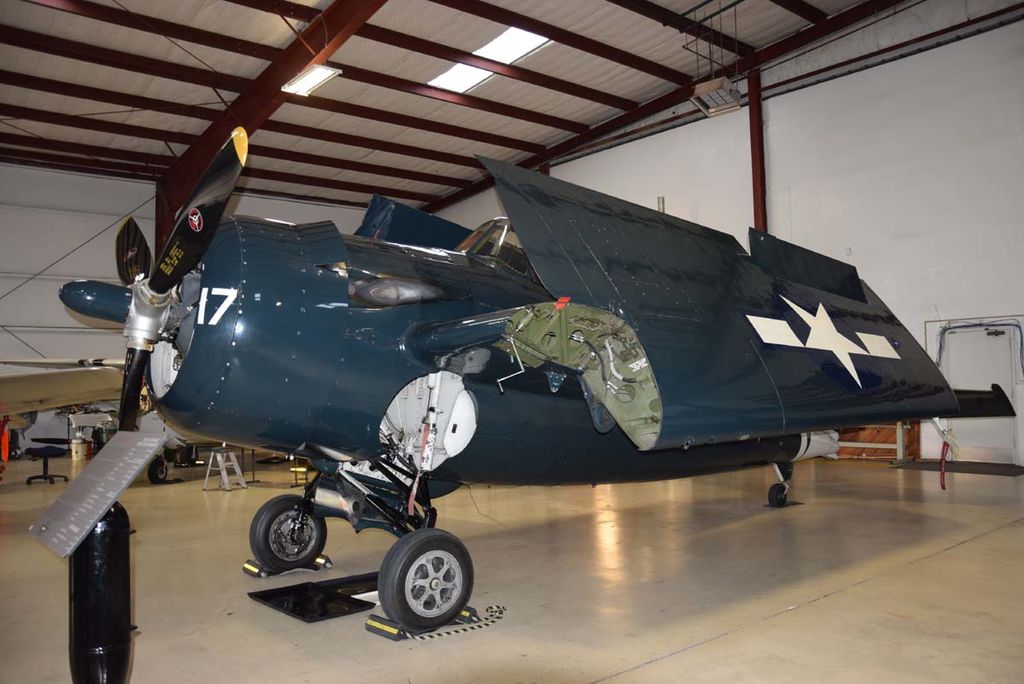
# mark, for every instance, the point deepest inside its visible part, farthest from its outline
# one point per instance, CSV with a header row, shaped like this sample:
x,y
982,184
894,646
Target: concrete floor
x,y
879,576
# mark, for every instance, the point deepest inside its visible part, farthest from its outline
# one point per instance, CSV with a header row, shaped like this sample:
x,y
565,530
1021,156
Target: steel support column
x,y
757,150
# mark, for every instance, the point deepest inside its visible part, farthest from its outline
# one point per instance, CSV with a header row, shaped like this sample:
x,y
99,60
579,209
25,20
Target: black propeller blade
x,y
133,255
194,228
199,216
135,362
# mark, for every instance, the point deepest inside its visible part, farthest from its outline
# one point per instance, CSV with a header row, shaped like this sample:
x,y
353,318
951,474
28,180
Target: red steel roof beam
x,y
309,132
809,35
804,10
163,135
426,47
405,41
106,168
141,22
683,24
501,15
40,42
167,162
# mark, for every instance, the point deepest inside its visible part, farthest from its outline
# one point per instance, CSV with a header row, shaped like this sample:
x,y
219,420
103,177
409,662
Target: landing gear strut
x,y
779,492
426,578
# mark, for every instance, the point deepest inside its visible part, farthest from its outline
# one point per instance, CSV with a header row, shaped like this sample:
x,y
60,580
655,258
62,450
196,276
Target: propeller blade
x,y
132,251
200,214
135,362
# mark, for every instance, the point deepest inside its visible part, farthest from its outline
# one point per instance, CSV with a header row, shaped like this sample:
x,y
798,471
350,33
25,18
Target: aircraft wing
x,y
739,345
45,391
64,363
386,219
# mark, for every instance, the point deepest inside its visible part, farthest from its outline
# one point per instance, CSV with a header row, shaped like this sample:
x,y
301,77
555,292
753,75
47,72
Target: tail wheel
x,y
157,471
284,535
426,579
777,495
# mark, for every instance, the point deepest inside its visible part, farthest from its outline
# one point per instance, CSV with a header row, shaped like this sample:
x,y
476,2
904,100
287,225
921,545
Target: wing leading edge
x,y
45,391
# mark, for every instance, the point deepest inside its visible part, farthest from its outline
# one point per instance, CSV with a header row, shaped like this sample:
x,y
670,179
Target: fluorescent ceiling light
x,y
311,78
510,46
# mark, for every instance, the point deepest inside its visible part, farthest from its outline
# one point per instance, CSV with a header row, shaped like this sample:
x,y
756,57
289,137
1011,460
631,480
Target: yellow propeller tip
x,y
241,140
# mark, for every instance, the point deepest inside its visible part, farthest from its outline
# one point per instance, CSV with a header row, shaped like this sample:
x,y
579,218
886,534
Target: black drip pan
x,y
316,601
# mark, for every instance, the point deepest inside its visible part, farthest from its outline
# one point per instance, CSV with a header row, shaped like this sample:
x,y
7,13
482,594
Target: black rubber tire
x,y
261,528
157,471
398,563
777,495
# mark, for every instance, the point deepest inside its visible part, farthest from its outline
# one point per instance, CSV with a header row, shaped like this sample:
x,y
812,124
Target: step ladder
x,y
224,462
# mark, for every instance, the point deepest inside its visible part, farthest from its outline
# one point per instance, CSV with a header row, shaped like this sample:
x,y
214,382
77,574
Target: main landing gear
x,y
426,578
778,493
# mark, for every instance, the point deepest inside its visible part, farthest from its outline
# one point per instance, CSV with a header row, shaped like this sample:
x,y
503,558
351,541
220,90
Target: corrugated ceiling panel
x,y
334,150
347,176
434,22
581,67
72,27
405,103
62,69
382,131
217,16
422,68
609,24
76,135
758,23
297,189
116,113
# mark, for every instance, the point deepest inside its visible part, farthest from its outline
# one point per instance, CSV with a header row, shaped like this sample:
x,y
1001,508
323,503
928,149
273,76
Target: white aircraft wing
x,y
45,391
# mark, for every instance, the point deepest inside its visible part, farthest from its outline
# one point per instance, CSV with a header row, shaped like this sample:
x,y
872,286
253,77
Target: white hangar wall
x,y
45,214
910,170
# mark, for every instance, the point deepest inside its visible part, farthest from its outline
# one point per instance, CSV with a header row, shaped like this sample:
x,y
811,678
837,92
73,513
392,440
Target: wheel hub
x,y
433,583
290,535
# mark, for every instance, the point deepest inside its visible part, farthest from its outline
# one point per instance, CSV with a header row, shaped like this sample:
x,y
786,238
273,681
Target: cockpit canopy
x,y
497,240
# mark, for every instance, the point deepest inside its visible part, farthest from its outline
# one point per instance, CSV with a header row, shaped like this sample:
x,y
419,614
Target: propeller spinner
x,y
194,228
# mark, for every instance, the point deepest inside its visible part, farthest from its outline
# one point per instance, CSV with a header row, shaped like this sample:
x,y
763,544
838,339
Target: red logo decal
x,y
195,220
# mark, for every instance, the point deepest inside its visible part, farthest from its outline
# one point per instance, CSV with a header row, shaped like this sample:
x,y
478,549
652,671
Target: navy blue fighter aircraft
x,y
582,339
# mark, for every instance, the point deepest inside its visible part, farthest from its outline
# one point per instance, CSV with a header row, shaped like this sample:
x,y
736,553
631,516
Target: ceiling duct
x,y
716,96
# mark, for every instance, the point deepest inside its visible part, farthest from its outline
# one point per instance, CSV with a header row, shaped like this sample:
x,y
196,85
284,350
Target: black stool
x,y
45,453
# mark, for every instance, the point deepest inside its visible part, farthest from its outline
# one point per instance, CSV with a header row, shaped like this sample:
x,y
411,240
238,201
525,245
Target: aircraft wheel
x,y
777,495
157,471
426,579
283,536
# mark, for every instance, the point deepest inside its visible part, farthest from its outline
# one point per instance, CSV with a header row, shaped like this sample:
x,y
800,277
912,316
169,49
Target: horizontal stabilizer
x,y
796,264
991,403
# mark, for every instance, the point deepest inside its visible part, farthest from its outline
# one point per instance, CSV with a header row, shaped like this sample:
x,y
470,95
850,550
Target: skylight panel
x,y
510,46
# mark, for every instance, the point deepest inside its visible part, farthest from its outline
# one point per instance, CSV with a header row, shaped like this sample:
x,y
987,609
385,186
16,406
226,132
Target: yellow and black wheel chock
x,y
467,620
255,569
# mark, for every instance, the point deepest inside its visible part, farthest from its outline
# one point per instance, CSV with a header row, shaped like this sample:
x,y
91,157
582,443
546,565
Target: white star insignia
x,y
823,336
